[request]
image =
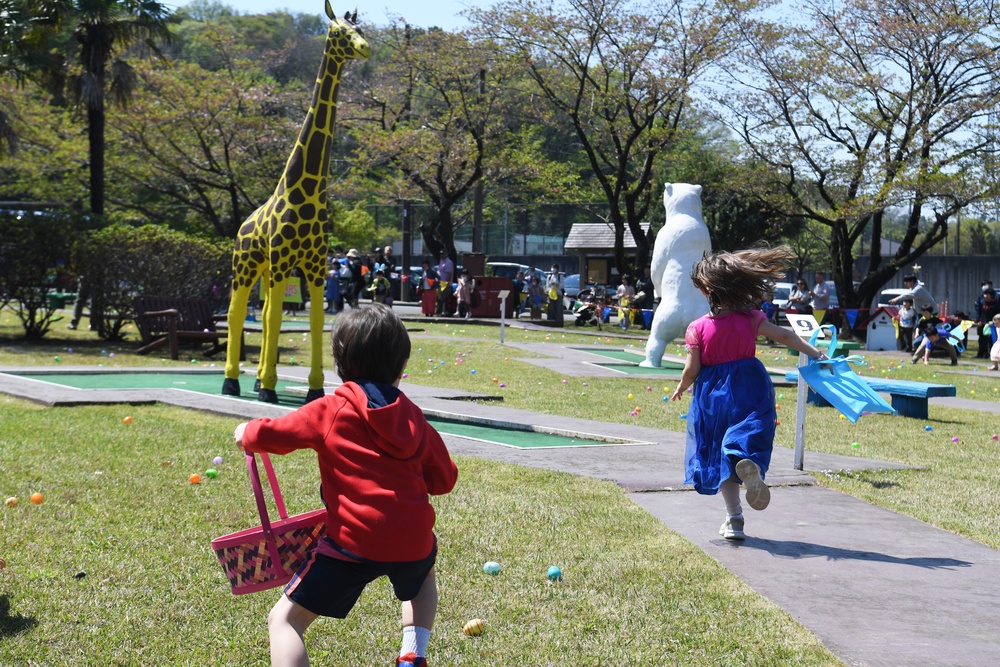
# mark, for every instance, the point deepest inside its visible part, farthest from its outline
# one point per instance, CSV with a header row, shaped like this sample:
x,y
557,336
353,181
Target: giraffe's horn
x,y
354,16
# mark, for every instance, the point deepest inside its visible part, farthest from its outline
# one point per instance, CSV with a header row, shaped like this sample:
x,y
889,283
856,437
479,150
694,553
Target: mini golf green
x,y
202,382
522,436
630,365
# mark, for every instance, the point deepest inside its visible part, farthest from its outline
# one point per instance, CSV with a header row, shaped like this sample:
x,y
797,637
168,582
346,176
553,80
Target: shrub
x,y
33,257
119,263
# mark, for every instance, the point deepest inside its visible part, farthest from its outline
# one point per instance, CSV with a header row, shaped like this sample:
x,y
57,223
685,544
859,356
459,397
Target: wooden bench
x,y
172,320
909,399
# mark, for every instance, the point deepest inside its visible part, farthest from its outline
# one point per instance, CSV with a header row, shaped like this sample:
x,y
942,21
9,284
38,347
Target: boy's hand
x,y
238,435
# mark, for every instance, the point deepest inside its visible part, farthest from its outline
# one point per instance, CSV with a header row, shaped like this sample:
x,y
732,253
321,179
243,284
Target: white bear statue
x,y
680,244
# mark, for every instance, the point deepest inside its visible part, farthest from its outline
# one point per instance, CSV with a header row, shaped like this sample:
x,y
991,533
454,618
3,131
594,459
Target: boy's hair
x,y
370,343
908,300
740,280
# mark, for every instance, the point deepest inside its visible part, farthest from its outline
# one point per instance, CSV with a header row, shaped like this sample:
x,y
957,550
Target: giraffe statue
x,y
290,229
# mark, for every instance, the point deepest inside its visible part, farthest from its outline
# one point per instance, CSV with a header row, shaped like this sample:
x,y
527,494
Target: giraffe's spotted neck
x,y
309,164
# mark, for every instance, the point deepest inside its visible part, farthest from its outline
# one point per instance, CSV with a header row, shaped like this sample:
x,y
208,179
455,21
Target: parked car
x,y
891,293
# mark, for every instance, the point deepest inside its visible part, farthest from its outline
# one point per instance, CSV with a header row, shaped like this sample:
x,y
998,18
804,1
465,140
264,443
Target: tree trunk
x,y
95,137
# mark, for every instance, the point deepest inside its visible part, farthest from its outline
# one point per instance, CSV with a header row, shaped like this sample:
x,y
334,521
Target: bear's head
x,y
682,199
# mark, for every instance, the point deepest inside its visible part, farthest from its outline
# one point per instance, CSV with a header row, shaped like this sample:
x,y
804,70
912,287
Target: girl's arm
x,y
692,366
789,339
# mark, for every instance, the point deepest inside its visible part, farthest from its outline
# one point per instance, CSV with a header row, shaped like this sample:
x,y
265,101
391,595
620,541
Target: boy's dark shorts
x,y
331,587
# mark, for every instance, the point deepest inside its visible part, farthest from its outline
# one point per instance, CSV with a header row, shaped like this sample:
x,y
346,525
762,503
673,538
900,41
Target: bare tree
x,y
620,74
864,108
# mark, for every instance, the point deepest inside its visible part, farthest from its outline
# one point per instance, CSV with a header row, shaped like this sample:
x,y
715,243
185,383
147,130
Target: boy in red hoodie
x,y
379,461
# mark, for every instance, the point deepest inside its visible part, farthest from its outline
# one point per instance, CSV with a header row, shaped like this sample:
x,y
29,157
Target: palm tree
x,y
39,39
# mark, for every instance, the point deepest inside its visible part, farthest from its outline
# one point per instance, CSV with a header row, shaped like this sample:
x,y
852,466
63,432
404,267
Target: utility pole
x,y
404,285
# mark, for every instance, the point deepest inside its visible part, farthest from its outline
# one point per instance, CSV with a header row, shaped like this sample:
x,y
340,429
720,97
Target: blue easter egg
x,y
491,567
928,428
683,415
554,573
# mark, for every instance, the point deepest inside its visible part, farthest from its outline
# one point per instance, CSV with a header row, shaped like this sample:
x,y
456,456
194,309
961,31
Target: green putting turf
x,y
210,382
668,367
202,382
524,437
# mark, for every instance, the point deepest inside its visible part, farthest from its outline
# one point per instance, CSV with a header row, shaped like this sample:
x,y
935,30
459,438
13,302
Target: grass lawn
x,y
153,593
634,592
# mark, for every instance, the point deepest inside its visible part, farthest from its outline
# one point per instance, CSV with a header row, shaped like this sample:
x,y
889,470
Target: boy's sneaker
x,y
732,529
757,494
411,660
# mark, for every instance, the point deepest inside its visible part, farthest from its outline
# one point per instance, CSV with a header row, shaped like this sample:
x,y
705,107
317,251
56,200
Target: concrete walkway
x,y
876,587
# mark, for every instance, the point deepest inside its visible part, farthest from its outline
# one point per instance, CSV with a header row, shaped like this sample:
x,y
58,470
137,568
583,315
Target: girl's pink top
x,y
723,338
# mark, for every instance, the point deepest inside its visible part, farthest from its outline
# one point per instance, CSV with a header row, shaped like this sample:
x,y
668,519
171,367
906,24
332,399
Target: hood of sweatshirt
x,y
395,423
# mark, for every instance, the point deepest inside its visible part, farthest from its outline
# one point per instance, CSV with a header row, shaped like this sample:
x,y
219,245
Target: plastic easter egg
x,y
554,573
127,420
474,628
683,415
56,358
928,428
217,460
11,502
491,567
195,478
995,437
955,439
37,498
3,564
211,473
856,445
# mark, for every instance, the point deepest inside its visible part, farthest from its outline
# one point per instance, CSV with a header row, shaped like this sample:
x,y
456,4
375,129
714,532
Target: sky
x,y
420,13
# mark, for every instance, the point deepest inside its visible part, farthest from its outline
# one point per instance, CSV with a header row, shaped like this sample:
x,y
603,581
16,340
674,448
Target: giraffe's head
x,y
344,39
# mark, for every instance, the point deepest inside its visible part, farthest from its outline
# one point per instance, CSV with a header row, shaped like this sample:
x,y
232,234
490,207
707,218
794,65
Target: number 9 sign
x,y
804,324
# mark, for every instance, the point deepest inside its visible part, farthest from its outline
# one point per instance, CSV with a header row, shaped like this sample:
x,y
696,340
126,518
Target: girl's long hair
x,y
740,280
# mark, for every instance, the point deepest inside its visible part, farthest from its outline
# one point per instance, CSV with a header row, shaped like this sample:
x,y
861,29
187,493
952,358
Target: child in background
x,y
380,288
379,460
731,422
464,295
907,321
995,349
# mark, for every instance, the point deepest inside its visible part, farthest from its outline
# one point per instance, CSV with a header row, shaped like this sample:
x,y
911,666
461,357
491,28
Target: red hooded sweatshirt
x,y
378,465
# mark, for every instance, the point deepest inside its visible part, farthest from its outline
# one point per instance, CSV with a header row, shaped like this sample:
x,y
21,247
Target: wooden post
x,y
800,415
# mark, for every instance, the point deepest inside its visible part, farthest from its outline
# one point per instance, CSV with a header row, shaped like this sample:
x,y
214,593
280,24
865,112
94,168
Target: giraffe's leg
x,y
265,280
235,318
316,334
269,347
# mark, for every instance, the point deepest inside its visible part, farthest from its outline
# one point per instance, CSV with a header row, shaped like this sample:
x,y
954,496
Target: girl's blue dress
x,y
733,404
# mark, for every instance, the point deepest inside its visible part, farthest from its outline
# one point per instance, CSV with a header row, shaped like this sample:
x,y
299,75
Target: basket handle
x,y
265,521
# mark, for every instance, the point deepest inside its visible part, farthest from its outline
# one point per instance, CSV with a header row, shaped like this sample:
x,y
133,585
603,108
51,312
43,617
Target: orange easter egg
x,y
37,498
195,478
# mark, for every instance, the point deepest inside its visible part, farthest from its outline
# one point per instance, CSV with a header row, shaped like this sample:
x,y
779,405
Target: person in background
x,y
380,288
388,260
916,291
931,330
536,294
518,291
356,281
821,296
995,337
799,298
555,289
463,296
987,306
446,272
907,317
644,286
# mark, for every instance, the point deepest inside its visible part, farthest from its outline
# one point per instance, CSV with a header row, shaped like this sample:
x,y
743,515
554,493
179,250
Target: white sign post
x,y
804,325
504,293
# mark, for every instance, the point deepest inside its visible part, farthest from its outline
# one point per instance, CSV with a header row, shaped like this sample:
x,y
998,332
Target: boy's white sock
x,y
415,640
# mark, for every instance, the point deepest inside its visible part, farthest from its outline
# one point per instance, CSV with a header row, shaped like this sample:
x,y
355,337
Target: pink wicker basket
x,y
267,556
